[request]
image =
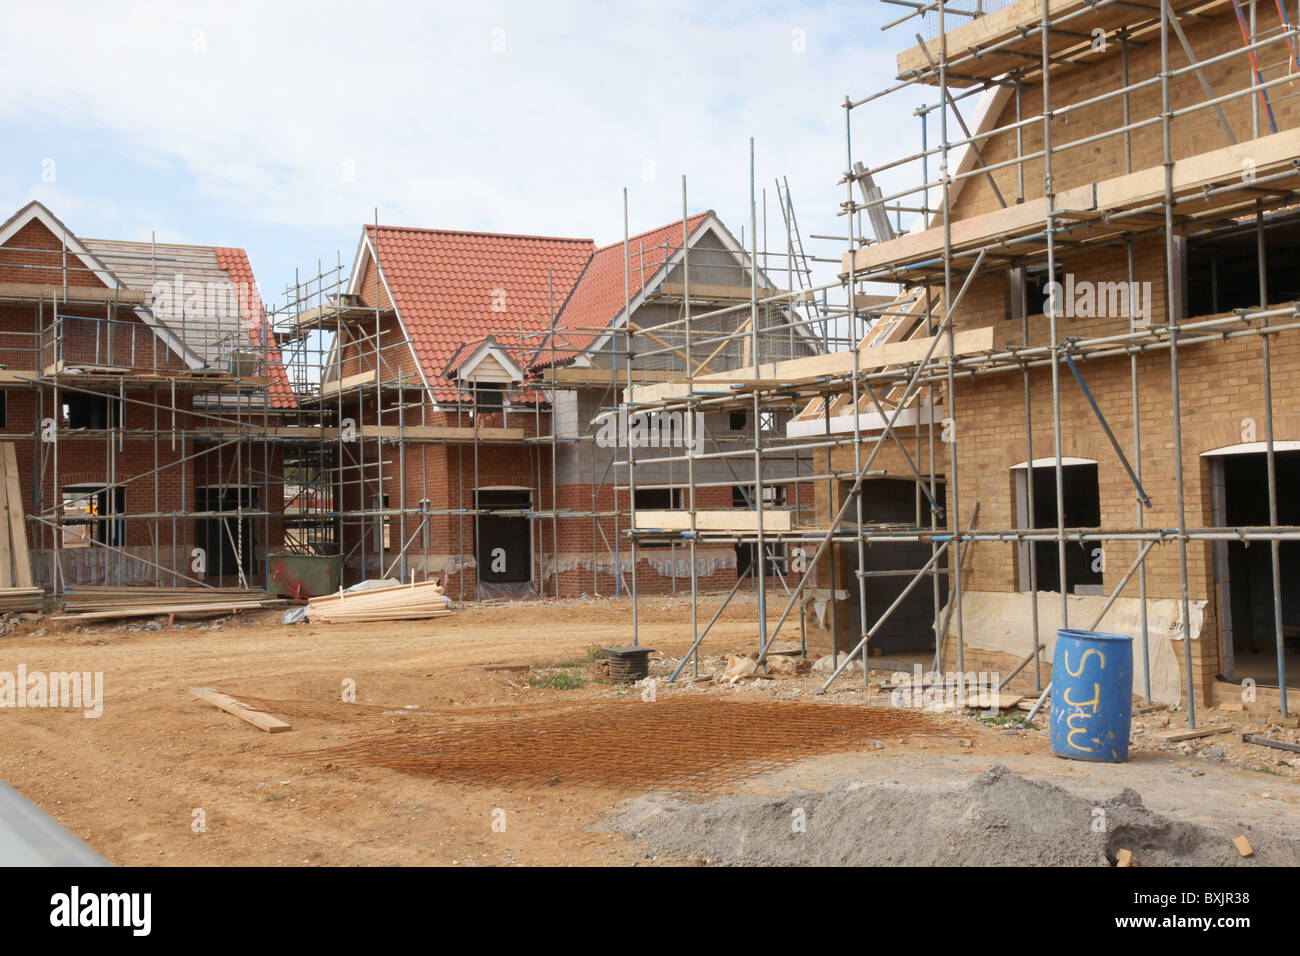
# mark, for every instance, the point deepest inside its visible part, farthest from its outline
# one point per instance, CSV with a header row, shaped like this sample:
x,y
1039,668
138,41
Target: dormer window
x,y
489,396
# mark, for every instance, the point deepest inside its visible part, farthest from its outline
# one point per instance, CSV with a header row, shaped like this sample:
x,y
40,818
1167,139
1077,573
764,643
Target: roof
x,y
454,287
92,270
600,296
235,263
230,318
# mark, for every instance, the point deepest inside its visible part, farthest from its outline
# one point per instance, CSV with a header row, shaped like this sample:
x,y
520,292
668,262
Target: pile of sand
x,y
998,818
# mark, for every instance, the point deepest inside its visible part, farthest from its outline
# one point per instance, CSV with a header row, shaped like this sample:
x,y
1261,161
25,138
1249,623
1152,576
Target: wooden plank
x,y
400,602
721,519
1243,846
792,371
727,293
22,599
1124,858
260,720
74,293
606,376
1174,736
414,433
981,33
1269,154
1007,28
368,617
179,610
349,383
22,558
334,313
862,302
6,563
744,327
424,588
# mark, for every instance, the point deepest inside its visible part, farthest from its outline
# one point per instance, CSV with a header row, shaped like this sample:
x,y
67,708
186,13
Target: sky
x,y
281,127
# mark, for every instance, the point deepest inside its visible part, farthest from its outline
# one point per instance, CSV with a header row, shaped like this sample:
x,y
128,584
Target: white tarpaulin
x,y
1002,621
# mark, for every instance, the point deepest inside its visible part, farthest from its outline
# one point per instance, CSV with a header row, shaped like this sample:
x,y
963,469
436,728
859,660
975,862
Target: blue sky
x,y
280,127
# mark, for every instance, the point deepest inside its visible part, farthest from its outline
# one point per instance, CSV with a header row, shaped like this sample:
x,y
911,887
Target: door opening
x,y
503,547
892,565
229,543
1244,572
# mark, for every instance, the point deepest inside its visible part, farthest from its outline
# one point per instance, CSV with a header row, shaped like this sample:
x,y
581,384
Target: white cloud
x,y
517,117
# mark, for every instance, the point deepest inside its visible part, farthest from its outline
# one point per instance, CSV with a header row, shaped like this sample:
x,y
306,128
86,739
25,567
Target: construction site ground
x,y
165,778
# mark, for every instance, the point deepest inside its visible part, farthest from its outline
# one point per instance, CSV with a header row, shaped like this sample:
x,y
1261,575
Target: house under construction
x,y
1070,408
140,380
468,388
1076,410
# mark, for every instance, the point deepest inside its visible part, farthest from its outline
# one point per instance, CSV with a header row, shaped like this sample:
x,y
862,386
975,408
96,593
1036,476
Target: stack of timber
x,y
102,603
21,599
17,590
400,602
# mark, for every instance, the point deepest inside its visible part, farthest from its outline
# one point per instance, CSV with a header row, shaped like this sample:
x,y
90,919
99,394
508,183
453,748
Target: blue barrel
x,y
1092,695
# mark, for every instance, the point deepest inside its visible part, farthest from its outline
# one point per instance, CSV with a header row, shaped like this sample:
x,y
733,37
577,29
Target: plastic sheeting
x,y
521,591
820,598
433,563
99,566
1002,621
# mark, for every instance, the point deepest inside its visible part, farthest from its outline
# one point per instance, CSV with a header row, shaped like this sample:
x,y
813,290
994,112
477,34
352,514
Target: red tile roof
x,y
599,295
456,287
235,263
445,285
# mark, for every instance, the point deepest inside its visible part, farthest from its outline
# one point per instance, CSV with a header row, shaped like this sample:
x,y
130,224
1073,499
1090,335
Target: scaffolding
x,y
907,402
134,401
839,385
380,416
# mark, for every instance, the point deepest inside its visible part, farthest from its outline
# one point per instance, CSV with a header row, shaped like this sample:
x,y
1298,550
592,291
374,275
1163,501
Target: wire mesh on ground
x,y
683,744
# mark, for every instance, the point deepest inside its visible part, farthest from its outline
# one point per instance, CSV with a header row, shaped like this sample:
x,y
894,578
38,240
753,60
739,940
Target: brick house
x,y
478,369
1236,233
134,374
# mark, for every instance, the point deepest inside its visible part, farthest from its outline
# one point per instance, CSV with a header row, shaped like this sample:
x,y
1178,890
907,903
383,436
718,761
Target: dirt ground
x,y
136,782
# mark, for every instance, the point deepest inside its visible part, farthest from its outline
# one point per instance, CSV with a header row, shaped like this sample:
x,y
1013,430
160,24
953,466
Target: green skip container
x,y
300,576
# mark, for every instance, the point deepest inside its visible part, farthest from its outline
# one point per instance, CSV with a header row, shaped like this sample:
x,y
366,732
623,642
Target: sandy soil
x,y
130,782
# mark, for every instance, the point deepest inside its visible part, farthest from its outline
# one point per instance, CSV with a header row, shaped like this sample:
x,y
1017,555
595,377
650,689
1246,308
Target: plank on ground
x,y
180,610
260,720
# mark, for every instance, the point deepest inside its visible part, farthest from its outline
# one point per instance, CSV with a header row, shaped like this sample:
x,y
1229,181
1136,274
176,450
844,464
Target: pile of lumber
x,y
17,589
100,603
21,599
400,602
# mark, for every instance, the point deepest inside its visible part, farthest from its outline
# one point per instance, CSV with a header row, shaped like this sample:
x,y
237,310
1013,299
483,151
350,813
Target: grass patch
x,y
556,679
593,655
1003,720
1270,771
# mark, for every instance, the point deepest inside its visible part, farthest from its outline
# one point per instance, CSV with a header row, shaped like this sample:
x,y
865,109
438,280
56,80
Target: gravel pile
x,y
998,818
